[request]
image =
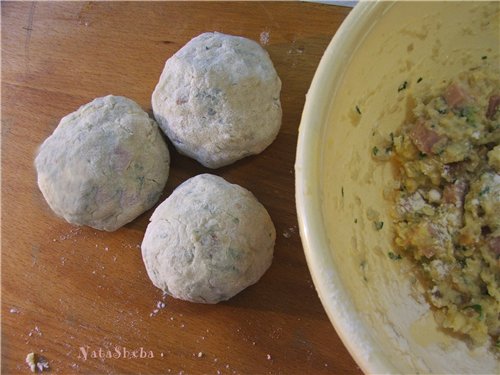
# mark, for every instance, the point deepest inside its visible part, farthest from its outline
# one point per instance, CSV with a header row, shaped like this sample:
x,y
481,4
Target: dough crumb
x,y
36,362
264,38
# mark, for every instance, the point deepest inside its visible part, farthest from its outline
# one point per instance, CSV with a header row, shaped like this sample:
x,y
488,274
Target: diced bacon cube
x,y
456,96
423,137
493,104
455,193
494,245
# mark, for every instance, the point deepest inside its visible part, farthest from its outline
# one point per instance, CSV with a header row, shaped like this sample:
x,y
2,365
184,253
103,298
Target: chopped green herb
x,y
355,221
478,309
462,262
403,86
419,79
342,191
421,155
497,344
484,57
441,152
469,114
486,190
362,265
390,148
394,256
441,106
378,225
358,110
375,150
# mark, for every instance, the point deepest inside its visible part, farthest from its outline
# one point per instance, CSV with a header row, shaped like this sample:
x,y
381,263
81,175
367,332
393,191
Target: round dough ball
x,y
208,241
218,99
104,164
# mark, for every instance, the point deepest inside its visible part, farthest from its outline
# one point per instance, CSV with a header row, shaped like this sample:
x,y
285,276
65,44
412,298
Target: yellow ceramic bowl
x,y
375,304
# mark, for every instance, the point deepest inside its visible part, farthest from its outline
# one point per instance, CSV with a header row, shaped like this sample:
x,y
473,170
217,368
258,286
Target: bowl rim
x,y
340,309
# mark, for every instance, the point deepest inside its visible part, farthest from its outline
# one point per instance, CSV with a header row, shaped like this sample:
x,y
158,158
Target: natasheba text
x,y
118,352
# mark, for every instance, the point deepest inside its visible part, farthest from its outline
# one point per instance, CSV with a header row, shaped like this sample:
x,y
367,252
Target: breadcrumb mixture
x,y
447,207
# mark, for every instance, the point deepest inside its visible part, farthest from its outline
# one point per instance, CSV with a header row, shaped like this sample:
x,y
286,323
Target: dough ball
x,y
104,164
208,241
218,99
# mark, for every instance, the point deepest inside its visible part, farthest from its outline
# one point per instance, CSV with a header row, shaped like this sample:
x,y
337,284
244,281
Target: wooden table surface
x,y
68,290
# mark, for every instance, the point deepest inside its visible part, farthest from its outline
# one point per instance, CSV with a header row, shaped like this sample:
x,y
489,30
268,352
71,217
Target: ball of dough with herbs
x,y
218,99
104,164
208,241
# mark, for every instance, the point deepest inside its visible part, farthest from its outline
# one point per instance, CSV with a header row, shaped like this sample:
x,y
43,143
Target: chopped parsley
x,y
394,256
378,225
391,146
478,309
358,110
468,113
342,191
403,86
462,262
355,221
375,150
419,79
485,191
363,265
484,57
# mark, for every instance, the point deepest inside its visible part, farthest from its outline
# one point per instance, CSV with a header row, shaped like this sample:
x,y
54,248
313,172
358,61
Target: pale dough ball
x,y
208,241
218,99
104,164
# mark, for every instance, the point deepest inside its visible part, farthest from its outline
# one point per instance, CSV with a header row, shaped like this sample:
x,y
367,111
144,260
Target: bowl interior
x,y
375,303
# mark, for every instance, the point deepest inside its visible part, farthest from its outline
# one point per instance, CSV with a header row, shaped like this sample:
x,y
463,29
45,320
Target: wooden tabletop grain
x,y
81,298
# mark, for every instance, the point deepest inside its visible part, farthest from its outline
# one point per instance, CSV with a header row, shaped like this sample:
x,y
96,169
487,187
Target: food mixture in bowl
x,y
447,205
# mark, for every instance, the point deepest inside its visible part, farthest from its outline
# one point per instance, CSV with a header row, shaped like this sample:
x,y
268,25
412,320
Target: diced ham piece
x,y
493,104
456,96
121,159
423,137
452,170
494,244
428,252
455,193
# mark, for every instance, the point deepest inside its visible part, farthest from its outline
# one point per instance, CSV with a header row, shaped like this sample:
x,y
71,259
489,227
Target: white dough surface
x,y
208,241
104,164
218,99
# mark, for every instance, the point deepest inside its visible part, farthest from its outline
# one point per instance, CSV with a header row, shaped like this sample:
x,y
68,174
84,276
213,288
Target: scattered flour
x,y
160,305
264,38
287,233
